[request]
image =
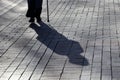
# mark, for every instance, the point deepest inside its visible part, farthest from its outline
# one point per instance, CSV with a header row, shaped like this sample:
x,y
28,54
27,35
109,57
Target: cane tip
x,y
48,21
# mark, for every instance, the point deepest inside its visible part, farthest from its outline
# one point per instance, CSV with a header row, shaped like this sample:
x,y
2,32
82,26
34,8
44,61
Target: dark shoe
x,y
32,20
38,20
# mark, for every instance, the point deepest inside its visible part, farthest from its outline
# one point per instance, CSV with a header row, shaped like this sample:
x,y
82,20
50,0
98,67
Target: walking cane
x,y
47,12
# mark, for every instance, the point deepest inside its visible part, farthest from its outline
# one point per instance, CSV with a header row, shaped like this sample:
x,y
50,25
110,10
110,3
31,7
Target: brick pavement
x,y
81,42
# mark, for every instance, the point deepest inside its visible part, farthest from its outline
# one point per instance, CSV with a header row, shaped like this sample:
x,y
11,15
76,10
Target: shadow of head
x,y
59,44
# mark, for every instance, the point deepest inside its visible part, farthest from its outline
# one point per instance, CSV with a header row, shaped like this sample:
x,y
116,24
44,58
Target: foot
x,y
38,19
32,20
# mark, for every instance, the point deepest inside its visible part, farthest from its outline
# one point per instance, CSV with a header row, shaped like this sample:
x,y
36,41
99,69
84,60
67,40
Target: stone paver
x,y
81,42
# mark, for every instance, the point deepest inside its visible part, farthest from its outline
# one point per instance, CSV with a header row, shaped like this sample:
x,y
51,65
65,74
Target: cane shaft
x,y
47,11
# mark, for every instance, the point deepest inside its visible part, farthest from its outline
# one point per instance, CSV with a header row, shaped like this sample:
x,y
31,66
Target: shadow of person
x,y
59,43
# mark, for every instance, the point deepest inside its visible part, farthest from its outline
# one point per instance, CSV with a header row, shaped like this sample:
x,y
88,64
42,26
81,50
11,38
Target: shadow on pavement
x,y
59,43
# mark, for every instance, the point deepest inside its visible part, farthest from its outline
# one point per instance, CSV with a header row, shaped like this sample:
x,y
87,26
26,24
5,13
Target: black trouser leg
x,y
38,13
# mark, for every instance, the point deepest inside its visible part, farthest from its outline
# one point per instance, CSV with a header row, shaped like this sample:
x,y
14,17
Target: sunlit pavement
x,y
81,41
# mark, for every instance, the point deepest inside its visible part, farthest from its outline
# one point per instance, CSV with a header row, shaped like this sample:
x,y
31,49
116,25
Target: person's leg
x,y
38,14
39,10
31,10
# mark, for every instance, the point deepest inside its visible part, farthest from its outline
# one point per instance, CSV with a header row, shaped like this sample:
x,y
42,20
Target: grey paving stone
x,y
53,52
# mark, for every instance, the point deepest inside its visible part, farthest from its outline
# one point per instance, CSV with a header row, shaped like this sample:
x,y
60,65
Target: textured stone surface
x,y
81,42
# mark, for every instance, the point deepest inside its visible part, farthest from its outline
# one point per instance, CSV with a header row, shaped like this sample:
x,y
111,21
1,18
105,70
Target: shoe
x,y
32,20
38,19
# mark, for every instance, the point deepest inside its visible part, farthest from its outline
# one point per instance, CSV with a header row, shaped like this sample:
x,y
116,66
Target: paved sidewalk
x,y
81,42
